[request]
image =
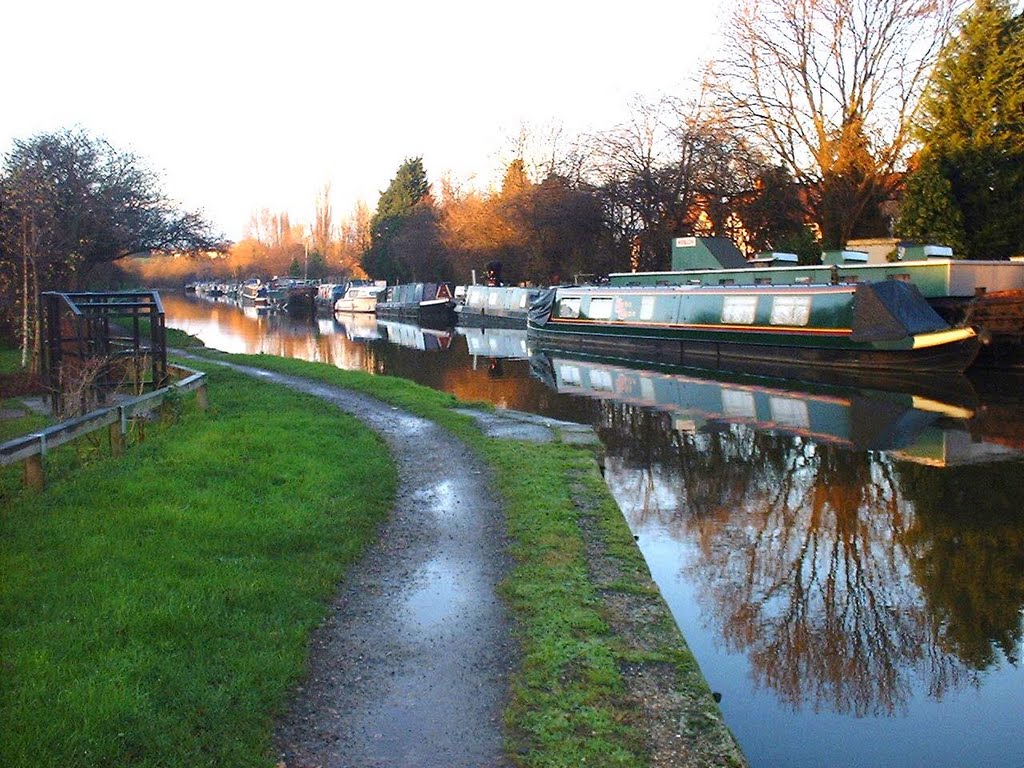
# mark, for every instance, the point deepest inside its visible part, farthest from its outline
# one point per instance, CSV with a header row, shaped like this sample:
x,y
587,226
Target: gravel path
x,y
411,666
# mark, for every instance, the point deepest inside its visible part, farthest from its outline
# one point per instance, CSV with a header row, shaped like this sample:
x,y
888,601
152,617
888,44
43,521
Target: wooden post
x,y
202,401
116,439
35,476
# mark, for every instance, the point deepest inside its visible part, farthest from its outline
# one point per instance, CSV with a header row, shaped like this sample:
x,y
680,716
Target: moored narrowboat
x,y
496,305
422,303
253,293
327,295
870,326
988,295
360,296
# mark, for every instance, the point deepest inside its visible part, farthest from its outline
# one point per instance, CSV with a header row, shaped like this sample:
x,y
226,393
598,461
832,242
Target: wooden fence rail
x,y
32,448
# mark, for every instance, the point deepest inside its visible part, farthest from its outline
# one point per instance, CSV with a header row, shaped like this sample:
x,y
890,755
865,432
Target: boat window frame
x,y
790,310
569,307
739,310
647,308
600,303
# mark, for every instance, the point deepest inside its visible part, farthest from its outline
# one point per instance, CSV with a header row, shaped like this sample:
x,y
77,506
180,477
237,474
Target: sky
x,y
243,106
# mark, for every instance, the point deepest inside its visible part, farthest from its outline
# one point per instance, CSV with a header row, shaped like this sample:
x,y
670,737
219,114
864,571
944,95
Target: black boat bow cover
x,y
540,308
890,310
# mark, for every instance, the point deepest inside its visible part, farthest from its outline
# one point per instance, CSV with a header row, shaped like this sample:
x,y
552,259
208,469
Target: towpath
x,y
411,666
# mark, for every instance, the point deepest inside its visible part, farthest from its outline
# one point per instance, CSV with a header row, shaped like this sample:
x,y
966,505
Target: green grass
x,y
154,609
10,362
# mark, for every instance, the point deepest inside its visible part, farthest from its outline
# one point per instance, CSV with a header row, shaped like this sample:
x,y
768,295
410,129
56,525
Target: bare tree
x,y
546,150
72,204
323,221
828,86
673,168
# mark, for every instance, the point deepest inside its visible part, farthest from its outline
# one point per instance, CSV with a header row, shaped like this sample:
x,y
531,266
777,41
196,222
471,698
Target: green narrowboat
x,y
883,326
987,295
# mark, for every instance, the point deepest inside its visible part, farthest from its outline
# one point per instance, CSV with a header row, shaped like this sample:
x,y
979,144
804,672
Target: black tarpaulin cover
x,y
891,310
540,308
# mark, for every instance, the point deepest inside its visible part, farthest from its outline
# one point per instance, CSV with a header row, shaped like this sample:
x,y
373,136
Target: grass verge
x,y
17,419
154,609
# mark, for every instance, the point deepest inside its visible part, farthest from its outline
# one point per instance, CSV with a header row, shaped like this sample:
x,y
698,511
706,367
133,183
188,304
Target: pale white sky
x,y
248,105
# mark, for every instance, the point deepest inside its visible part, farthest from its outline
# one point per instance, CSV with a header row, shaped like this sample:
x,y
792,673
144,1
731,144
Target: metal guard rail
x,y
38,443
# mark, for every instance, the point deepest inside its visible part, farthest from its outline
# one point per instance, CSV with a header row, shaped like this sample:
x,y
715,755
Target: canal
x,y
846,562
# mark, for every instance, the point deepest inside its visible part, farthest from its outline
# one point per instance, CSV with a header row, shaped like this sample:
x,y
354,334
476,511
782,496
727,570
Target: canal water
x,y
846,561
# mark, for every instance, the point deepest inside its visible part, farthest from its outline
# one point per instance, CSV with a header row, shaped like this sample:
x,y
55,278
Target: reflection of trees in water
x,y
816,564
967,544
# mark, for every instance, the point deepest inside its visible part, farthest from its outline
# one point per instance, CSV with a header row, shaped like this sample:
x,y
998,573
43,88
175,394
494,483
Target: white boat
x,y
360,297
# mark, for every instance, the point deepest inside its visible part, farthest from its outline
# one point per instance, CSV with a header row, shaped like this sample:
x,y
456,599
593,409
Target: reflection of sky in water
x,y
438,598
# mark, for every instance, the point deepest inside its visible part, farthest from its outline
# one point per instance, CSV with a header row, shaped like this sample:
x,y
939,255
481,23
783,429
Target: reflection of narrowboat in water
x,y
883,326
359,326
422,303
507,343
416,336
491,305
696,400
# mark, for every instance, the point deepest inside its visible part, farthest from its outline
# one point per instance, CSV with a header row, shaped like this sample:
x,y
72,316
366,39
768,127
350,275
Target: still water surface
x,y
846,564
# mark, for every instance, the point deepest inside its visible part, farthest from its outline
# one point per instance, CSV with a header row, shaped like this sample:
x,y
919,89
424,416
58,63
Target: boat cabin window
x,y
647,308
848,279
737,403
522,299
492,300
569,307
802,281
902,276
791,310
762,281
727,281
739,310
601,308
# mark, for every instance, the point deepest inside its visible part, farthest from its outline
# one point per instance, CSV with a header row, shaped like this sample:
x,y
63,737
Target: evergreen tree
x,y
972,124
930,213
397,203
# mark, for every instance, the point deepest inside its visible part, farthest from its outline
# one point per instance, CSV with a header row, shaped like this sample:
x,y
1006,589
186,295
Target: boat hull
x,y
771,359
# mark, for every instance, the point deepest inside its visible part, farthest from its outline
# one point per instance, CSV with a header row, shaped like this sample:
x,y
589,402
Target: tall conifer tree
x,y
972,129
394,208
